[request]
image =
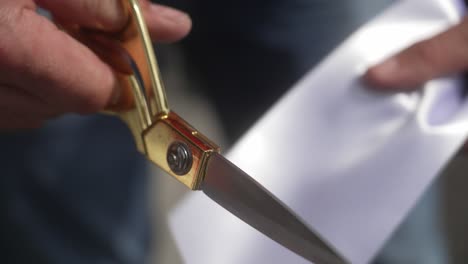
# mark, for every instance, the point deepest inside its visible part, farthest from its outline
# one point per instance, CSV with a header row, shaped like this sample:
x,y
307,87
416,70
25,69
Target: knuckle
x,y
10,48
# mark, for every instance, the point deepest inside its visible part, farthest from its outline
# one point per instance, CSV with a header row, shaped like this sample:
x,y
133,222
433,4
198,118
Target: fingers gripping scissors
x,y
190,157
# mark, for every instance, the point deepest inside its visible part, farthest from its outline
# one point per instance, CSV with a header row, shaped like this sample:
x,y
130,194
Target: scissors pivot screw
x,y
179,158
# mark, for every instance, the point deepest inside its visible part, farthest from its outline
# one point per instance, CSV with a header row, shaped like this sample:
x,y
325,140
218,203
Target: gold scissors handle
x,y
164,137
143,97
160,134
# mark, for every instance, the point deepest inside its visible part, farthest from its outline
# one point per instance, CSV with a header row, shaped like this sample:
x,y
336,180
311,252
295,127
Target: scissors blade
x,y
240,194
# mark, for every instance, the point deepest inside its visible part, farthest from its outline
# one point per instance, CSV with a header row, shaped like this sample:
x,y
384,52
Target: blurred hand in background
x,y
443,54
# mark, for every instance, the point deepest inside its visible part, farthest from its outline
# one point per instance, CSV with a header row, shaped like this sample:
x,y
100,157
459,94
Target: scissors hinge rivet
x,y
179,158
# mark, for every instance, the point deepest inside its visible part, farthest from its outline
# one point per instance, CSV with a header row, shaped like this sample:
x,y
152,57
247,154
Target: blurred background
x,y
77,191
252,52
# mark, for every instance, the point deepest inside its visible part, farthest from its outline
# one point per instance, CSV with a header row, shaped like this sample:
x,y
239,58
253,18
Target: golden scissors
x,y
188,156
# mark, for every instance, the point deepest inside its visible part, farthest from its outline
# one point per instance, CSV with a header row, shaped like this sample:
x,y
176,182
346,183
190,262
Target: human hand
x,y
45,73
444,54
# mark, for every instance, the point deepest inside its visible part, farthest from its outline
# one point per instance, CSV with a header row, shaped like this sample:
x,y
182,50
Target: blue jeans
x,y
73,192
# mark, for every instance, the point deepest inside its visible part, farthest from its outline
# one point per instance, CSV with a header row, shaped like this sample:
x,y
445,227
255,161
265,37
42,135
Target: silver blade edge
x,y
241,195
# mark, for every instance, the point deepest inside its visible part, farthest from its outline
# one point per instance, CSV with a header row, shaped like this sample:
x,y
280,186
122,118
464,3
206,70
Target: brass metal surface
x,y
141,100
172,128
153,125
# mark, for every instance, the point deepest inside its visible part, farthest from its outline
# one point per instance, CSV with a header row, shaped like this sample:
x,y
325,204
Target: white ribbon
x,y
350,162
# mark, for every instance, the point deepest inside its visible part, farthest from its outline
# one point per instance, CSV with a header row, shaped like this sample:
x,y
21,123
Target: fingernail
x,y
381,75
116,93
387,68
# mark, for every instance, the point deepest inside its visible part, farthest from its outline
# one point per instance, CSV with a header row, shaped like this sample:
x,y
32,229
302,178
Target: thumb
x,y
108,15
443,54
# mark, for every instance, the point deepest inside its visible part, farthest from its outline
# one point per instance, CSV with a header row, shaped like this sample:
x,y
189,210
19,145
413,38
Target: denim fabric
x,y
73,192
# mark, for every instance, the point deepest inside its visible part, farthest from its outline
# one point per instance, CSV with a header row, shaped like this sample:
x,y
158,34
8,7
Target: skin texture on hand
x,y
44,72
443,54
